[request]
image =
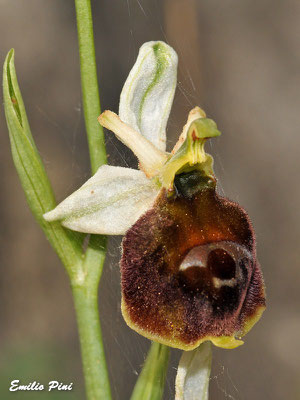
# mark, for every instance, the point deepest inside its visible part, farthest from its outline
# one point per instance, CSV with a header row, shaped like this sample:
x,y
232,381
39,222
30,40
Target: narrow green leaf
x,y
151,381
31,171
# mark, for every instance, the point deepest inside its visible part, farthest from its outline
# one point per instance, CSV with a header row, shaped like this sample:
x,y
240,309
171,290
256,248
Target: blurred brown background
x,y
239,60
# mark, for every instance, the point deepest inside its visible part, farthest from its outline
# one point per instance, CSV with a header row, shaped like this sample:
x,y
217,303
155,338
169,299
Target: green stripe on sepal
x,y
148,92
31,171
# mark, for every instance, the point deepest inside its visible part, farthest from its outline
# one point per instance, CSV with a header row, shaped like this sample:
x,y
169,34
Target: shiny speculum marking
x,y
214,266
189,269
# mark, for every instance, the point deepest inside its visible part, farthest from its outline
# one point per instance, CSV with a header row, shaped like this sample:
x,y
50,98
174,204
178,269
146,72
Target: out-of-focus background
x,y
239,60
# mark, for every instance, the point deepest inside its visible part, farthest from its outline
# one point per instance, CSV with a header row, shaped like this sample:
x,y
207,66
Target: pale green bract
x,y
30,168
193,373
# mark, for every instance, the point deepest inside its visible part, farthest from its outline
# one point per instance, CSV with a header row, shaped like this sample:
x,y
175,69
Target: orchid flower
x,y
189,270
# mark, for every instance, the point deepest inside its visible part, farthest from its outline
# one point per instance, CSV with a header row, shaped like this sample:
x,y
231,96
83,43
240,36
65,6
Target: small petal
x,y
192,379
147,95
108,203
151,159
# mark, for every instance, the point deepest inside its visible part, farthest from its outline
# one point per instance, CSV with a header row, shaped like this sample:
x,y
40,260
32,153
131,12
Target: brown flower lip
x,y
189,268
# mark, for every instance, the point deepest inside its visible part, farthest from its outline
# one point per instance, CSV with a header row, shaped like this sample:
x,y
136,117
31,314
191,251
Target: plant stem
x,y
89,84
151,381
86,292
86,304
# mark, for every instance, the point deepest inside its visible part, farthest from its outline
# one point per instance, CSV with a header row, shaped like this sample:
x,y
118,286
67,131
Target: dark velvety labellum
x,y
189,267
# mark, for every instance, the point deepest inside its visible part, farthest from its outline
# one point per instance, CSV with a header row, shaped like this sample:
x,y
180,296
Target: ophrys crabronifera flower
x,y
189,269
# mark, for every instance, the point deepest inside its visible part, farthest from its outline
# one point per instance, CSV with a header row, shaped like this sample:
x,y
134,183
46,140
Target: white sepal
x,y
193,373
148,92
108,203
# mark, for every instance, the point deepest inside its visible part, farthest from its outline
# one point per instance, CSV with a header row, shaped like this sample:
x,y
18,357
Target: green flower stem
x,y
151,381
85,294
89,84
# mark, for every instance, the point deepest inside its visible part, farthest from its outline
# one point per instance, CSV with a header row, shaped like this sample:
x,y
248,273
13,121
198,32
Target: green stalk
x,y
89,84
151,381
86,293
